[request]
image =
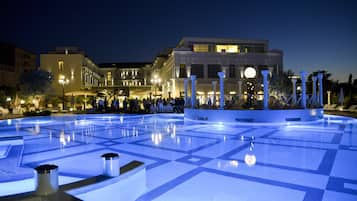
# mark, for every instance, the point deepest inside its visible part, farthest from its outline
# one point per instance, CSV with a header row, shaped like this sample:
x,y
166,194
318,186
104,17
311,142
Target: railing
x,y
282,102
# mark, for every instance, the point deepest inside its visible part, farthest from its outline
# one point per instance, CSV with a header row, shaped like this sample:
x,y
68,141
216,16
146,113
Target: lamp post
x,y
63,81
156,81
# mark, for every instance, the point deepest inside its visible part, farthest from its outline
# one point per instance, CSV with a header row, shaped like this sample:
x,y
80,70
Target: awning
x,y
80,93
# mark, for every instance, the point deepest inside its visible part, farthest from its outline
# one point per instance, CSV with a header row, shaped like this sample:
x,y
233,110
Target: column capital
x,y
320,76
221,74
265,72
193,77
293,80
303,75
314,78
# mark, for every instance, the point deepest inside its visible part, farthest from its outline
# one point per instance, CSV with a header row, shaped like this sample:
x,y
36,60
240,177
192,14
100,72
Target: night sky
x,y
313,34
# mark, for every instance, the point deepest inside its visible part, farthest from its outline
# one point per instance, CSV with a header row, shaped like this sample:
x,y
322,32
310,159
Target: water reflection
x,y
250,158
62,139
156,138
233,163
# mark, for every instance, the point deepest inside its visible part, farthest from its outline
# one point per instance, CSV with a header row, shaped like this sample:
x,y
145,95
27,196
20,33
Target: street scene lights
x,y
62,80
156,80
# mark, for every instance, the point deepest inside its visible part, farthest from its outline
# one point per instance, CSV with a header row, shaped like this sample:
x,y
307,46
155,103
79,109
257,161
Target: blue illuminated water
x,y
189,160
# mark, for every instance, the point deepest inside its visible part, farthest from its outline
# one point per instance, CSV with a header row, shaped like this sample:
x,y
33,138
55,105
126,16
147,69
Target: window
x,y
232,71
72,74
200,48
183,72
197,69
228,48
213,69
60,65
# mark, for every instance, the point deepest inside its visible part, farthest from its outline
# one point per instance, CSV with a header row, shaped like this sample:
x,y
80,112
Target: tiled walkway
x,y
187,160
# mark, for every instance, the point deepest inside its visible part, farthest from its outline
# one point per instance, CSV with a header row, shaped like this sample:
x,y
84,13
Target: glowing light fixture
x,y
250,72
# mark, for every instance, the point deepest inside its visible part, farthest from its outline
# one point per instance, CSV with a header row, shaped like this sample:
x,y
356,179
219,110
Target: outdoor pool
x,y
189,160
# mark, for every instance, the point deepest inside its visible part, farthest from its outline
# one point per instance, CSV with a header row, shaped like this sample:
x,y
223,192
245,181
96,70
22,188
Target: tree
x,y
281,85
35,82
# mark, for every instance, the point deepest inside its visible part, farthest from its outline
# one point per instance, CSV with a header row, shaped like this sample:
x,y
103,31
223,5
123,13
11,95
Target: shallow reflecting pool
x,y
189,160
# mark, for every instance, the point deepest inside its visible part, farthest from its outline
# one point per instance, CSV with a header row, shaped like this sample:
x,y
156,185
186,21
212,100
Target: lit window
x,y
60,65
109,75
200,48
227,48
72,74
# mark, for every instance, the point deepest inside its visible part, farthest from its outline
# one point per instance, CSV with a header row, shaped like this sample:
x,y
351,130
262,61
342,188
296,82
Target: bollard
x,y
46,179
111,164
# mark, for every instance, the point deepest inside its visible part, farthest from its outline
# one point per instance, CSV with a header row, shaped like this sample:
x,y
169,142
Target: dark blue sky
x,y
313,34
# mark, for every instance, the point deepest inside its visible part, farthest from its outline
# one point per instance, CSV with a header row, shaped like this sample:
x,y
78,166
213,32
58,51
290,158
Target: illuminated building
x,y
13,62
241,60
127,79
71,63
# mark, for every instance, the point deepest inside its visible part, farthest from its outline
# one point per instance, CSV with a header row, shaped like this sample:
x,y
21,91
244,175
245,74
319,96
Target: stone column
x,y
293,80
225,70
193,91
314,89
221,76
266,88
177,71
303,88
214,86
328,97
185,84
239,89
321,98
173,87
188,71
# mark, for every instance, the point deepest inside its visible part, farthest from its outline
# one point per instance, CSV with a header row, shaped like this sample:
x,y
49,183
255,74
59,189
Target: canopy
x,y
80,93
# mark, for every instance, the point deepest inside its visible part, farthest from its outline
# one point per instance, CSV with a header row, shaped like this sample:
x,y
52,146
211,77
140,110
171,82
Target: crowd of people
x,y
146,105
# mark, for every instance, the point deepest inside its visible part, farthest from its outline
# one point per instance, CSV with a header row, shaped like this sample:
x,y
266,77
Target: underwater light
x,y
250,159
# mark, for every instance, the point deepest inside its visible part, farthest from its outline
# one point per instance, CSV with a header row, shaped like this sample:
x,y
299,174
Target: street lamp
x,y
62,80
156,81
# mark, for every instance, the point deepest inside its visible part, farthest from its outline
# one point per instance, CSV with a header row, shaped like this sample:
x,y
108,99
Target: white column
x,y
321,101
173,88
303,88
225,69
185,84
266,89
188,71
214,87
314,89
221,76
293,80
239,89
328,97
177,71
193,91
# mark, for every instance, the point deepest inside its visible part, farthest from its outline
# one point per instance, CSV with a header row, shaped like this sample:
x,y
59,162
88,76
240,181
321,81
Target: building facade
x,y
240,60
13,62
127,79
72,70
